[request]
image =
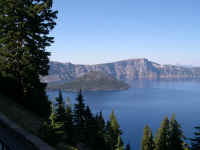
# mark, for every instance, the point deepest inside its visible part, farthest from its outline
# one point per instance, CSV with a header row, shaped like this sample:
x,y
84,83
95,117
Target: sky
x,y
101,31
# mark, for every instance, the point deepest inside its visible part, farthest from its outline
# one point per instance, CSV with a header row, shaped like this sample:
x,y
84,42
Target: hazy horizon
x,y
95,32
113,61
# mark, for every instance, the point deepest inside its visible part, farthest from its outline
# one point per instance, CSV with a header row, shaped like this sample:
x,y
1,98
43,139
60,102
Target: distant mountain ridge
x,y
125,70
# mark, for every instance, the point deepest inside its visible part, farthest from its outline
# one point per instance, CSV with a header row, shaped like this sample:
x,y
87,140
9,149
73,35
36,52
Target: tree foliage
x,y
113,131
170,136
79,110
24,35
114,123
79,117
81,126
195,142
147,140
60,108
175,135
51,131
128,147
68,122
119,145
162,136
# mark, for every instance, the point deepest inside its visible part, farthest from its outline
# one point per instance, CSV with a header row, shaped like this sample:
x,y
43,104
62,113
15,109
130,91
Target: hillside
x,y
126,70
25,119
92,81
18,114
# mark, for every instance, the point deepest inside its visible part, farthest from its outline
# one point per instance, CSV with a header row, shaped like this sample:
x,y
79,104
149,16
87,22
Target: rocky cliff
x,y
126,70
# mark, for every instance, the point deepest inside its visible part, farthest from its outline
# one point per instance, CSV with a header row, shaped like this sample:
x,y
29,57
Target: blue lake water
x,y
147,102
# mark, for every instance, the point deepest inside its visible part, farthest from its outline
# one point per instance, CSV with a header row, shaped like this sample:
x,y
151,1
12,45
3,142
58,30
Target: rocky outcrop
x,y
132,69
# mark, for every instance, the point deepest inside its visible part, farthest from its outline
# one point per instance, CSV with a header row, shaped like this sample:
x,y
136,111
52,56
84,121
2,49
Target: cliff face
x,y
127,70
175,72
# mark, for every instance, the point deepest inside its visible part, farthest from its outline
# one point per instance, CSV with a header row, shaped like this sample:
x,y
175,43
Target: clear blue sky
x,y
97,31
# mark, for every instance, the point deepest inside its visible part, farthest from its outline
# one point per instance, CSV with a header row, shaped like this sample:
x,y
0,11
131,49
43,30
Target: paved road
x,y
13,140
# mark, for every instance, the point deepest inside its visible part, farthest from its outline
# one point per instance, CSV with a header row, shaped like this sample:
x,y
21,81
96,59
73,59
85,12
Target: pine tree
x,y
162,136
79,110
110,137
114,123
24,35
119,145
101,132
60,108
186,146
79,117
128,147
88,115
51,131
55,125
68,123
93,133
113,131
101,125
101,122
115,126
195,142
91,129
175,135
147,141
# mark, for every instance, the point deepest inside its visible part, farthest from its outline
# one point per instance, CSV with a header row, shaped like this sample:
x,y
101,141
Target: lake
x,y
147,102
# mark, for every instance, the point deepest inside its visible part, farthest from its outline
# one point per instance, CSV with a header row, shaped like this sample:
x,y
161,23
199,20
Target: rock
x,y
126,70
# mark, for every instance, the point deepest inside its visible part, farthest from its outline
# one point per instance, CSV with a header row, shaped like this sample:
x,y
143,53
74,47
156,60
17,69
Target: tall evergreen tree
x,y
195,142
147,140
79,117
162,136
68,123
186,146
128,147
110,137
24,35
79,110
175,135
101,132
60,108
91,129
51,131
113,131
115,124
88,115
119,145
101,123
